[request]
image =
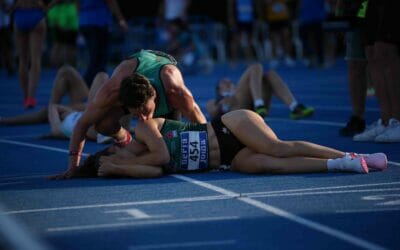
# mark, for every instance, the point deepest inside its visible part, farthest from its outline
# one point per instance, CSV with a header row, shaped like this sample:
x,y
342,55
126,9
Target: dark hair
x,y
135,90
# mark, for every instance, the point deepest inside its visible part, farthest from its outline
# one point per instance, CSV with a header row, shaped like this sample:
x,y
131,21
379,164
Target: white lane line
x,y
184,245
394,163
322,192
139,223
11,183
135,203
21,136
20,177
368,210
288,192
309,122
325,188
17,236
326,107
284,214
37,146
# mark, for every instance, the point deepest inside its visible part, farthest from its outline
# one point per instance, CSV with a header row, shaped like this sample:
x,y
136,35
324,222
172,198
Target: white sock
x,y
293,105
258,102
332,165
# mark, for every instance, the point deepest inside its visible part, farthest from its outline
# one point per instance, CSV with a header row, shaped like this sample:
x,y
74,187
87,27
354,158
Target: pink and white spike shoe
x,y
375,161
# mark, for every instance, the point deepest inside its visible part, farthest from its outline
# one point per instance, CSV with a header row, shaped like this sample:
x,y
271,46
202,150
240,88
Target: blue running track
x,y
216,210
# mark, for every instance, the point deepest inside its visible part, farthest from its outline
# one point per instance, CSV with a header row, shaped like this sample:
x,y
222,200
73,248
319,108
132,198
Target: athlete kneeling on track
x,y
240,141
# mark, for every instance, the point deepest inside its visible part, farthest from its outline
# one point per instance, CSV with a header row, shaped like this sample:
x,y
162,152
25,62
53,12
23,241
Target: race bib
x,y
194,150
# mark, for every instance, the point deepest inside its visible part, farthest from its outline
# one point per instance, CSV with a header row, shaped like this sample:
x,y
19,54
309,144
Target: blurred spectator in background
x,y
95,18
173,9
254,91
278,17
357,73
62,20
6,42
30,32
311,14
180,43
241,18
382,50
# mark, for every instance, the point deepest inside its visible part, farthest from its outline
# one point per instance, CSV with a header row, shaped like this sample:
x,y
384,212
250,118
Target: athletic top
x,y
187,145
150,64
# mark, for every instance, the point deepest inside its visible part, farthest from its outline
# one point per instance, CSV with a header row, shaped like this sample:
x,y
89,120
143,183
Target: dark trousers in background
x,y
97,44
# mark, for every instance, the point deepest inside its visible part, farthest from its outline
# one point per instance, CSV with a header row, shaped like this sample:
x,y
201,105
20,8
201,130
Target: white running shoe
x,y
371,132
391,133
375,161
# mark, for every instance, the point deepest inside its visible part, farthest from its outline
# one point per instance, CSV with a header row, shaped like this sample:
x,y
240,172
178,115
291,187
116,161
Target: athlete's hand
x,y
70,173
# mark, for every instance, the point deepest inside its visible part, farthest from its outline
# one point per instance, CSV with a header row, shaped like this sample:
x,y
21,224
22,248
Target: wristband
x,y
125,142
74,153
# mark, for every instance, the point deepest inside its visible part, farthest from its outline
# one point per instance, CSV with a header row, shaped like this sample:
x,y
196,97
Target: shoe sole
x,y
376,161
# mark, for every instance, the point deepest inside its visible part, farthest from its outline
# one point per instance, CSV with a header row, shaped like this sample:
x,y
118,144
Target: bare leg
x,y
279,87
249,87
22,41
24,119
389,53
357,70
248,161
36,40
263,140
69,82
378,78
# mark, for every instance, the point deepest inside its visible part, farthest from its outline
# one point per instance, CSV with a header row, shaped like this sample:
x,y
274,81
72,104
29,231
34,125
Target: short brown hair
x,y
135,90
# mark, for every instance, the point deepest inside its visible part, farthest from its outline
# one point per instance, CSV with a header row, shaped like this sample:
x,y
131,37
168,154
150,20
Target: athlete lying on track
x,y
240,141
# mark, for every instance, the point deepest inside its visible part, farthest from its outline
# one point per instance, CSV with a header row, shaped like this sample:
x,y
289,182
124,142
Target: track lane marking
x,y
184,244
138,223
353,240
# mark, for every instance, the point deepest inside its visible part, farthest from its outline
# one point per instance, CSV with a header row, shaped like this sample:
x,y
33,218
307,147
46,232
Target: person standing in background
x,y
382,50
356,63
30,32
6,46
241,18
63,25
311,15
277,15
95,18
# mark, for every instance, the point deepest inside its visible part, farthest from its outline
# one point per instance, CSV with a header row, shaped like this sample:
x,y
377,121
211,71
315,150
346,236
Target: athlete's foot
x,y
356,164
262,111
30,102
375,161
301,111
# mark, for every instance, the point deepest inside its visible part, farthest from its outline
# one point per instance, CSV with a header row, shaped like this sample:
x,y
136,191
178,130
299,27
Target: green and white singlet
x,y
150,63
187,144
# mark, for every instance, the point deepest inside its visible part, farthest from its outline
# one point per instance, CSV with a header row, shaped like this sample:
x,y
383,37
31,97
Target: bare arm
x,y
54,115
179,96
115,10
153,150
